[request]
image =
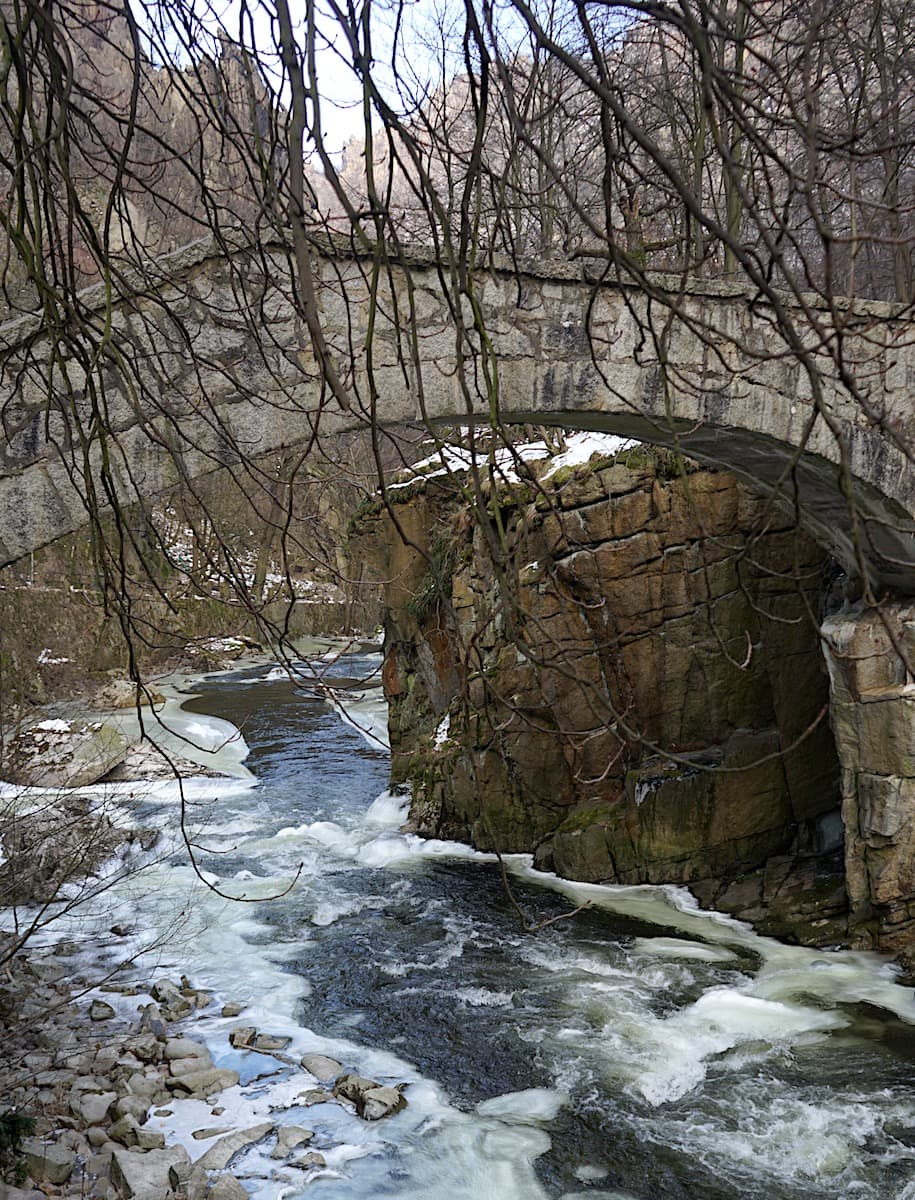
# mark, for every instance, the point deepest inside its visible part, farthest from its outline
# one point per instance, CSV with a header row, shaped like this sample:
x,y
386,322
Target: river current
x,y
641,1050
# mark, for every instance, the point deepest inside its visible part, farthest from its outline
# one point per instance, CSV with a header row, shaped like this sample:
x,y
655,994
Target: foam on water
x,y
184,927
367,713
668,1058
836,976
819,1141
483,997
665,947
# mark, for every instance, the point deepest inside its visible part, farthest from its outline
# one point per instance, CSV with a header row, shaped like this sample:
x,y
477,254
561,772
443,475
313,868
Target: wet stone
x,y
289,1138
221,1154
309,1159
267,1042
323,1068
380,1102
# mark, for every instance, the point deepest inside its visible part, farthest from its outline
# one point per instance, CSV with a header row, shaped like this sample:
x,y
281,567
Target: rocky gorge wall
x,y
620,671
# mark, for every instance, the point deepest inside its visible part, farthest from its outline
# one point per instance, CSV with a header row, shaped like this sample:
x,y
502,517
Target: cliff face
x,y
626,680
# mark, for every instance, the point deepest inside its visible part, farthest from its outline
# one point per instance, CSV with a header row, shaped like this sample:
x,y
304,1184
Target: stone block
x,y
145,1176
886,732
323,1068
47,1163
204,1083
219,1155
886,805
226,1187
93,1106
182,1047
64,754
180,1067
289,1138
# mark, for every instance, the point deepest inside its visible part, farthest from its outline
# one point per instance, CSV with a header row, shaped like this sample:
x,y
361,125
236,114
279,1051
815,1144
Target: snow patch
x,y
449,458
441,734
47,659
580,447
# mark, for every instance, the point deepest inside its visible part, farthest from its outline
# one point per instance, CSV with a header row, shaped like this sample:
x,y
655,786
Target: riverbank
x,y
121,1076
98,1089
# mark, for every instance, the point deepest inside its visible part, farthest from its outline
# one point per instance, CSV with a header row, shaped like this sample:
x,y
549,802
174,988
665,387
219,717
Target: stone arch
x,y
227,373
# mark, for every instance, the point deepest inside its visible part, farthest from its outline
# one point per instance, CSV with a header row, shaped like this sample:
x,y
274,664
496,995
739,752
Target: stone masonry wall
x,y
871,652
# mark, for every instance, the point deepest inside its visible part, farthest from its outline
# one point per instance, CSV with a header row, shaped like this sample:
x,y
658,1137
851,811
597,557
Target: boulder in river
x,y
63,754
122,693
372,1100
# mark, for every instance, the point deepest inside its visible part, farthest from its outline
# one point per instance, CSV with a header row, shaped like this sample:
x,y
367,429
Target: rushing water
x,y
641,1049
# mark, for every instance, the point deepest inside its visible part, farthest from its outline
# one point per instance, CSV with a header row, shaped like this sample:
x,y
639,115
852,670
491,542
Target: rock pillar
x,y
870,653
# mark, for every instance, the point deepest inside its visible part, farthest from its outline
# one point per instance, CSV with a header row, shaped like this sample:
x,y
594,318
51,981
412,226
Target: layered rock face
x,y
871,653
619,672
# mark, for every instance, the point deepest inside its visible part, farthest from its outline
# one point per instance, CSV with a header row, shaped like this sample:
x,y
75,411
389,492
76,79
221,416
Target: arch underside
x,y
867,528
42,503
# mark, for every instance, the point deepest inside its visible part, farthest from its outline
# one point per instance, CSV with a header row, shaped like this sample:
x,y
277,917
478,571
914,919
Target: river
x,y
641,1049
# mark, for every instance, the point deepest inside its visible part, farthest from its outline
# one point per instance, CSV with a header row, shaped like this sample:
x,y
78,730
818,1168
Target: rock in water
x,y
381,1102
63,754
227,1187
372,1100
323,1068
218,1157
289,1138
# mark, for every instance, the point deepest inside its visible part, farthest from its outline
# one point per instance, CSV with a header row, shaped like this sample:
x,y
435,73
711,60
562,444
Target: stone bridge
x,y
205,364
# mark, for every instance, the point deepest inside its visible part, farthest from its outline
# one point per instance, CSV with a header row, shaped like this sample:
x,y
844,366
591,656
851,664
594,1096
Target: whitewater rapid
x,y
643,1049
